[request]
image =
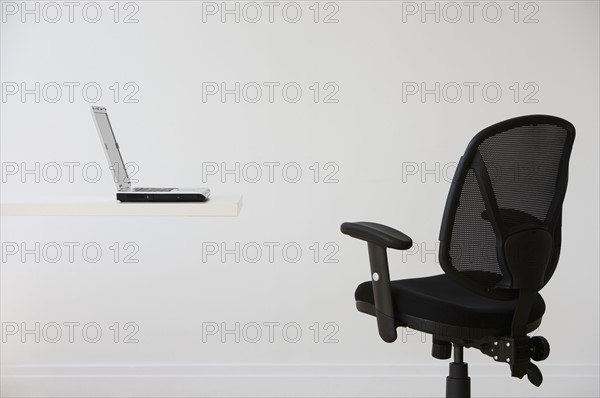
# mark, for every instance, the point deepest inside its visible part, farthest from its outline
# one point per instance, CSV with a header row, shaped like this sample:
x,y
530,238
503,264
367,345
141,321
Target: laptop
x,y
125,192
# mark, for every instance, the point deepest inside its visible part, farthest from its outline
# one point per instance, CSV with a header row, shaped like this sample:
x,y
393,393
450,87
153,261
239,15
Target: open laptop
x,y
125,192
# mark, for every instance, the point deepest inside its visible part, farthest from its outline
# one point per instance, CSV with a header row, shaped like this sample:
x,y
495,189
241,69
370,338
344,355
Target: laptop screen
x,y
111,148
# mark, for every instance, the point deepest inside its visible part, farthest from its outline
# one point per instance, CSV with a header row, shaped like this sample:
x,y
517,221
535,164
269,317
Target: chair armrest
x,y
379,238
379,234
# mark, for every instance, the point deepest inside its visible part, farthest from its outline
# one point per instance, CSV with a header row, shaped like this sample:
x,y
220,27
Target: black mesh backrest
x,y
512,178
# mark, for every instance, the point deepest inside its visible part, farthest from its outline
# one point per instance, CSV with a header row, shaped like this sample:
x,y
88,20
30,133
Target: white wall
x,y
377,143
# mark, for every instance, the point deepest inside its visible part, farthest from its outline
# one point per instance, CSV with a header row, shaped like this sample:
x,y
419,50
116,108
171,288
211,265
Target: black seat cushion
x,y
440,299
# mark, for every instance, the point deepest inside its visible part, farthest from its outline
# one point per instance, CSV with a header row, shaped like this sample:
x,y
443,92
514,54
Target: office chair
x,y
499,245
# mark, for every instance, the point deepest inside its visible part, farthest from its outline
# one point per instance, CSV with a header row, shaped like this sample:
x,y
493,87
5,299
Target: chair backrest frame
x,y
514,231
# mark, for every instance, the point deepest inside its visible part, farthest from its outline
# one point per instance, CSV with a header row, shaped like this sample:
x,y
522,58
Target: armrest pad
x,y
378,234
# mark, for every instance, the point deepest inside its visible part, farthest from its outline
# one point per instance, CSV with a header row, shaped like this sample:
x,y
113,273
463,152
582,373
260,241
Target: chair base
x,y
458,382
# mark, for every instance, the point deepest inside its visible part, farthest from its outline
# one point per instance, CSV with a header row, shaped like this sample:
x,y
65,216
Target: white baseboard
x,y
281,380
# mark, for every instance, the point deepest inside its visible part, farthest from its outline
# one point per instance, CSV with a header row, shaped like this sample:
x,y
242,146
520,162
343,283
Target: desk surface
x,y
216,206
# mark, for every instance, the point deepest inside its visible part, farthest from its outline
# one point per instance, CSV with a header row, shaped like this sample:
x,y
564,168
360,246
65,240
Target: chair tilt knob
x,y
441,349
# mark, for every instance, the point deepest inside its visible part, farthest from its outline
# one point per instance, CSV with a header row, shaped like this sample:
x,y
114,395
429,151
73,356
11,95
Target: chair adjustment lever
x,y
518,352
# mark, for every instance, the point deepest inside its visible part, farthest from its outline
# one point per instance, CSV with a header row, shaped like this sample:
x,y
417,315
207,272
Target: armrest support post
x,y
380,278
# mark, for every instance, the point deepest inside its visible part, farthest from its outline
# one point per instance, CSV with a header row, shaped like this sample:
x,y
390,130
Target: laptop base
x,y
160,197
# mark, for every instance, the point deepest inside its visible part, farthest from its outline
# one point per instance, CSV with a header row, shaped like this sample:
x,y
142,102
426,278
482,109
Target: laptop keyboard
x,y
153,189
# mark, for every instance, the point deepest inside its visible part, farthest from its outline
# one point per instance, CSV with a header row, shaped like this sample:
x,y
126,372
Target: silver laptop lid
x,y
111,148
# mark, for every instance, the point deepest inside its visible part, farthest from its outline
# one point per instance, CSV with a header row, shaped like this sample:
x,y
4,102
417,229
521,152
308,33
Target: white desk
x,y
216,206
